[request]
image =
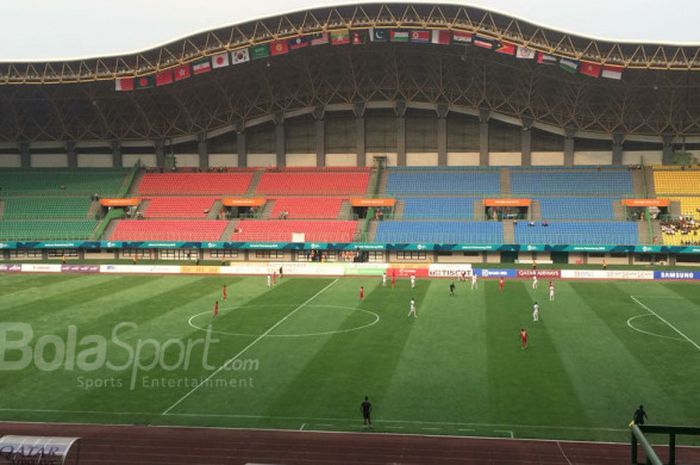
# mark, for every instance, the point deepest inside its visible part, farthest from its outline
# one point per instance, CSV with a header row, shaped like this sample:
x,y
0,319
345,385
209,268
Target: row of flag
x,y
360,37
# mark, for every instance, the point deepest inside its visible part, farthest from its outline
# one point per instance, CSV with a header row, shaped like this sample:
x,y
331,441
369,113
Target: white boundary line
x,y
563,453
510,433
629,324
662,319
245,349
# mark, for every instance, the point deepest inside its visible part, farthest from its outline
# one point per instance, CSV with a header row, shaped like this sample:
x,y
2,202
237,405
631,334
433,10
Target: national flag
x,y
358,37
483,42
240,56
590,69
182,72
164,78
221,60
505,48
279,47
259,52
544,59
440,37
420,37
320,38
398,35
570,66
460,37
612,72
378,35
201,66
340,37
124,84
298,42
144,82
525,53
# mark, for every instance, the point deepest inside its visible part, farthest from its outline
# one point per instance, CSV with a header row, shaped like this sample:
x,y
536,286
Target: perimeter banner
x,y
544,274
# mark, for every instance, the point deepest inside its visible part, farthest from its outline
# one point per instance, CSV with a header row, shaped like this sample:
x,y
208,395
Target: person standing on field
x,y
366,409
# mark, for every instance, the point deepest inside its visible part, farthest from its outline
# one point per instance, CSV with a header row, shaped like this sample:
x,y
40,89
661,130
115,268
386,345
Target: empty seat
x,y
677,182
307,207
431,183
612,182
309,183
194,183
168,230
36,230
46,207
282,230
448,232
577,208
438,208
577,233
178,207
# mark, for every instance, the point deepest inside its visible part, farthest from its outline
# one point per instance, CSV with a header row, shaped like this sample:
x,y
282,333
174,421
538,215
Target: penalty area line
x,y
246,348
664,320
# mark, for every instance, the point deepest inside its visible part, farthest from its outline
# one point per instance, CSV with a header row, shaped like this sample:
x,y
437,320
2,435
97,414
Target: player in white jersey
x,y
474,280
413,281
551,291
536,312
384,280
412,308
269,280
534,281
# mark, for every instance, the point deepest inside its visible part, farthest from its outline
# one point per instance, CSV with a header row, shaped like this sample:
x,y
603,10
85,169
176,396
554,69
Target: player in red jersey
x,y
274,278
216,308
393,280
523,339
362,293
501,283
224,293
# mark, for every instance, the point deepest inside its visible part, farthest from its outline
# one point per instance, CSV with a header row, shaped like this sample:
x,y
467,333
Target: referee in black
x,y
366,408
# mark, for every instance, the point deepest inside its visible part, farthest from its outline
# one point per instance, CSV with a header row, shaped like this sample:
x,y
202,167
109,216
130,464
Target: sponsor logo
x,y
538,273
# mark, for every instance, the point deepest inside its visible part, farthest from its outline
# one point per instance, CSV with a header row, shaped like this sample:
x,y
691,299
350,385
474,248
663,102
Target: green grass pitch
x,y
307,351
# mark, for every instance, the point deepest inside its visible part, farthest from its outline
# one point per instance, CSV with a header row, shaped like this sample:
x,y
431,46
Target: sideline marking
x,y
302,427
190,322
245,349
629,324
510,433
662,319
563,453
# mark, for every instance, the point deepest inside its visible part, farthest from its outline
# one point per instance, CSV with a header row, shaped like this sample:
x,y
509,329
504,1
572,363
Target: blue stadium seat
x,y
578,233
575,182
448,208
431,183
448,232
577,208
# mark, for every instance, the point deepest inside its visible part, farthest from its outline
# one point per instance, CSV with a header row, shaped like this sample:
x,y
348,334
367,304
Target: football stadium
x,y
364,234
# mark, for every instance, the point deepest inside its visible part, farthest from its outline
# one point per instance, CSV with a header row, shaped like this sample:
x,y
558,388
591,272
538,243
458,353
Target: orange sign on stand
x,y
132,202
646,202
360,202
507,202
243,202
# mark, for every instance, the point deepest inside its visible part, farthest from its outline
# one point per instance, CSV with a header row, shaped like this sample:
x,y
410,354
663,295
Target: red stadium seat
x,y
194,183
307,207
309,183
178,207
168,230
281,231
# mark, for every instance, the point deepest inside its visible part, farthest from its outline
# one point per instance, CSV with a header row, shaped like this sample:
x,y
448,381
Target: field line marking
x,y
669,324
630,325
302,427
561,449
510,433
246,348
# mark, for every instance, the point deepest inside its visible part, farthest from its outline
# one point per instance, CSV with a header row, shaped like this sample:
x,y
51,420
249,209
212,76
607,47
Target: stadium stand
x,y
312,183
610,182
178,207
681,232
194,183
431,182
168,230
448,208
577,208
281,230
36,230
677,182
45,207
689,205
104,182
580,233
440,231
307,207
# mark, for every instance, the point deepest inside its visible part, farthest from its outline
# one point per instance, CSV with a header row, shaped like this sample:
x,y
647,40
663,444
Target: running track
x,y
125,445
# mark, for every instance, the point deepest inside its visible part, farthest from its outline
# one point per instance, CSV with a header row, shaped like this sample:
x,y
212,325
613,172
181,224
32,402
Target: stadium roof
x,y
59,29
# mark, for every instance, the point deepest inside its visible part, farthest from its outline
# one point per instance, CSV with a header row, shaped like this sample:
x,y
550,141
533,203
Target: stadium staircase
x,y
215,209
266,212
508,231
479,213
535,211
643,233
2,208
92,211
254,183
133,190
345,212
618,210
505,181
228,232
143,206
639,187
648,174
380,184
399,209
371,232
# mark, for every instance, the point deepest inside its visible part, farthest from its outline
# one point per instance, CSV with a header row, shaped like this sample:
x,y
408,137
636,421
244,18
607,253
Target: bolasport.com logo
x,y
133,362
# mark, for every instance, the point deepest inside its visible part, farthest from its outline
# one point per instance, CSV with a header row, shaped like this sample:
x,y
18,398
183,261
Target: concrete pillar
x,y
203,151
25,155
241,147
72,154
483,137
526,141
160,153
280,143
618,140
400,110
442,110
360,139
319,114
569,146
116,154
667,157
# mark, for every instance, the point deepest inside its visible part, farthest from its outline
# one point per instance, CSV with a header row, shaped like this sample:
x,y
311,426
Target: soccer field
x,y
303,354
